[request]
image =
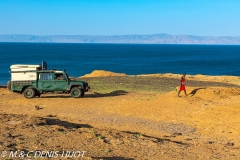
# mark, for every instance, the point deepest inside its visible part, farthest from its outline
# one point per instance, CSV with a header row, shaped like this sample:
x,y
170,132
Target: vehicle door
x,y
59,82
45,82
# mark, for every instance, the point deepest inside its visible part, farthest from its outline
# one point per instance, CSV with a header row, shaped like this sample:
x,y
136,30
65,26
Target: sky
x,y
120,17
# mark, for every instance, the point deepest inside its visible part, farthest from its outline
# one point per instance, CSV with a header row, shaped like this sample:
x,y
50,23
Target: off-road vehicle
x,y
34,80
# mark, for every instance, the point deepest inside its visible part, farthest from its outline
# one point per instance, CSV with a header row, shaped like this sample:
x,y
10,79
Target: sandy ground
x,y
125,125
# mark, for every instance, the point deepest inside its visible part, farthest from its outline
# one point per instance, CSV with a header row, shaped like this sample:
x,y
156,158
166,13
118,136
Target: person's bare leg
x,y
179,93
185,92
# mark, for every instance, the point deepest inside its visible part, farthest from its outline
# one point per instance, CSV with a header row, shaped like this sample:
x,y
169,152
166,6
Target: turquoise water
x,y
132,59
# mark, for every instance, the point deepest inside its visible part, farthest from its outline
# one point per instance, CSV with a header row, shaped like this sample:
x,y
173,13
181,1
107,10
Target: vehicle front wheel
x,y
29,93
76,92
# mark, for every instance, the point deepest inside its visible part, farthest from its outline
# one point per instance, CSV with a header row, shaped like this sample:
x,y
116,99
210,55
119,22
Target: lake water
x,y
132,59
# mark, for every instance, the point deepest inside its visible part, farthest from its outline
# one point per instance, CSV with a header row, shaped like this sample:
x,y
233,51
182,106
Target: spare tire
x,y
9,86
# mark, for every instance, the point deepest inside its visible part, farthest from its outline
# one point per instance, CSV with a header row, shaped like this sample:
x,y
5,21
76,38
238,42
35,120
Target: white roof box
x,y
24,67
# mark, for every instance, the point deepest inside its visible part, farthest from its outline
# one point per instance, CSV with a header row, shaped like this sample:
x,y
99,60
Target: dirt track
x,y
126,125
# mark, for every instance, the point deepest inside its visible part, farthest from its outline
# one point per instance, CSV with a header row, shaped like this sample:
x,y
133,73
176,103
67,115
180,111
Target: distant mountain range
x,y
131,39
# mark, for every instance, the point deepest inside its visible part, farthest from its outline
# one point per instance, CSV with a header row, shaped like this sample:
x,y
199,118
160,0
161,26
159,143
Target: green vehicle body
x,y
45,81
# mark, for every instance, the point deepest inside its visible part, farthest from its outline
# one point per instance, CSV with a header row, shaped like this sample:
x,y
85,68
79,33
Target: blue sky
x,y
120,17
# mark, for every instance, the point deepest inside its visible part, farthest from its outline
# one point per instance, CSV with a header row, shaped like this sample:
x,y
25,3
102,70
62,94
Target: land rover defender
x,y
34,80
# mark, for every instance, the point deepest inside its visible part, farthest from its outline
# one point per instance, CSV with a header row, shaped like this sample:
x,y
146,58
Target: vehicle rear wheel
x,y
9,87
29,93
76,92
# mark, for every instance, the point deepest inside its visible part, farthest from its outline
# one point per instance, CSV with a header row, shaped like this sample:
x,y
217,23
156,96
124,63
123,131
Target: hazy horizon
x,y
127,39
119,35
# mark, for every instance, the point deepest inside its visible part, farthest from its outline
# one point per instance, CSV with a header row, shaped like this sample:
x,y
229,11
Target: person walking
x,y
182,86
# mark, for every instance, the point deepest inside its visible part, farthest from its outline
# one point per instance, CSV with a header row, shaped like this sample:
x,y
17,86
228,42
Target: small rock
x,y
8,135
229,144
106,141
37,107
176,134
188,139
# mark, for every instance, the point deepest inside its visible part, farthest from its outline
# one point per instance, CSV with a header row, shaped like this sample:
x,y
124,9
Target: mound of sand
x,y
229,79
102,73
211,93
198,77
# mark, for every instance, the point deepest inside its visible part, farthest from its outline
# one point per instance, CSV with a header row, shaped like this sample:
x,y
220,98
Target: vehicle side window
x,y
46,76
59,77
